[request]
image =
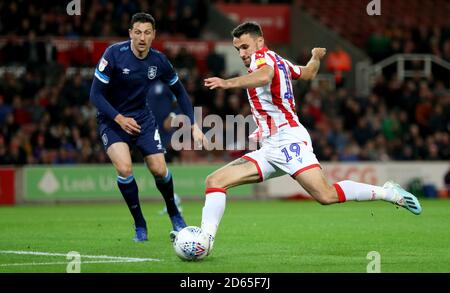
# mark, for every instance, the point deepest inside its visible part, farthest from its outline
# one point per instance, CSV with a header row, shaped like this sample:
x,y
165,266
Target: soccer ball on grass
x,y
191,244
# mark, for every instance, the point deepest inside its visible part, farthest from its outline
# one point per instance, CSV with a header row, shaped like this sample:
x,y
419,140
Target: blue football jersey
x,y
129,79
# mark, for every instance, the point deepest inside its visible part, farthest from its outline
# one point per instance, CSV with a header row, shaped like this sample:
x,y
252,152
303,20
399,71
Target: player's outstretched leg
x,y
405,199
315,183
390,192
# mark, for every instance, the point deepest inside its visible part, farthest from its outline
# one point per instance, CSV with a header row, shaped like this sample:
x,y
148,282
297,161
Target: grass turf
x,y
255,236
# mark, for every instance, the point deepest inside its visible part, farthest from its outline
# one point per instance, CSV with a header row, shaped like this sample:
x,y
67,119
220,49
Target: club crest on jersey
x,y
102,65
152,72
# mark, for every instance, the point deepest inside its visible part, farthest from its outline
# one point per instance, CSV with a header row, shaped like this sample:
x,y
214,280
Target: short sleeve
x,y
295,70
105,66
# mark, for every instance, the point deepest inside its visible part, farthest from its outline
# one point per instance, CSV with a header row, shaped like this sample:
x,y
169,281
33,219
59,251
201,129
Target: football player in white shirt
x,y
286,146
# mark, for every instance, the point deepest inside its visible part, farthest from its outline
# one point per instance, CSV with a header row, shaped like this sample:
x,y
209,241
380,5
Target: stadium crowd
x,y
46,116
104,18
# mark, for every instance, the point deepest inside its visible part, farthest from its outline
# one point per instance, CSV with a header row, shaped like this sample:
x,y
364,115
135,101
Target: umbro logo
x,y
126,71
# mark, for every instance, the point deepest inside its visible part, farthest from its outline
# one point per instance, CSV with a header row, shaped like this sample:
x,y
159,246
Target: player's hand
x,y
318,53
199,137
215,82
129,125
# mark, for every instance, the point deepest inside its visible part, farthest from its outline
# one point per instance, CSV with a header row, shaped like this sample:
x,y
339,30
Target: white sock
x,y
213,210
361,192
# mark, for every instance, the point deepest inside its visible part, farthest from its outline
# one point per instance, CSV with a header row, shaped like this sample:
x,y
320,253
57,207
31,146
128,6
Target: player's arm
x,y
258,78
170,77
186,107
183,99
309,71
97,97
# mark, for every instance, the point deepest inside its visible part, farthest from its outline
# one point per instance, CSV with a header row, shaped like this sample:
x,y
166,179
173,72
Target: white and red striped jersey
x,y
273,105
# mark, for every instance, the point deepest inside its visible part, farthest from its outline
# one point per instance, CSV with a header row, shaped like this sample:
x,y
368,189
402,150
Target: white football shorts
x,y
289,151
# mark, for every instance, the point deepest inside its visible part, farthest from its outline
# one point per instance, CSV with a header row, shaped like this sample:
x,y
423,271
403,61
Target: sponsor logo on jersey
x,y
259,55
152,72
126,71
103,64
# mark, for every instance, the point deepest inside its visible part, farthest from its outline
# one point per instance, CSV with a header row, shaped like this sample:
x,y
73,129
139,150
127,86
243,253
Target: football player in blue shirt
x,y
119,90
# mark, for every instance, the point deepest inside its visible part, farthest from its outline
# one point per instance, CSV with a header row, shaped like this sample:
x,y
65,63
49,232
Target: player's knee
x,y
158,170
325,200
213,181
124,170
326,196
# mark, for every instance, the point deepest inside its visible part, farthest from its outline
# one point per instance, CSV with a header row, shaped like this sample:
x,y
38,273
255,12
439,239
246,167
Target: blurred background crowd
x,y
46,116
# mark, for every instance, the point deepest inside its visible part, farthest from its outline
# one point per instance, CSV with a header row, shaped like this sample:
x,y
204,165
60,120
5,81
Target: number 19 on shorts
x,y
293,149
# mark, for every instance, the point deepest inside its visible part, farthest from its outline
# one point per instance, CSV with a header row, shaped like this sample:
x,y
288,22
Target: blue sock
x,y
165,186
129,190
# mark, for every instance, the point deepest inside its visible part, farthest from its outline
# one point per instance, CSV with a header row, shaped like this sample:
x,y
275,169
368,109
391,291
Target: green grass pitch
x,y
255,236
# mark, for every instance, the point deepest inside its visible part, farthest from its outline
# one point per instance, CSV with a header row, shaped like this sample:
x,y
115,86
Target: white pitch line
x,y
65,263
118,258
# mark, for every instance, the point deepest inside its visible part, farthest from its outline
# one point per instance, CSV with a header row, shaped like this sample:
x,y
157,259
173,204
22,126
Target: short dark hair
x,y
142,17
248,27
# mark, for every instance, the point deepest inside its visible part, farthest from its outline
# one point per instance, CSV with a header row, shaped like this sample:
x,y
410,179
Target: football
x,y
191,244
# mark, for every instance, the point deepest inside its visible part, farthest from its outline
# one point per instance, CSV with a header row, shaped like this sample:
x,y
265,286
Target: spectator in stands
x,y
216,63
5,109
378,45
184,60
12,51
447,180
446,51
76,91
339,63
